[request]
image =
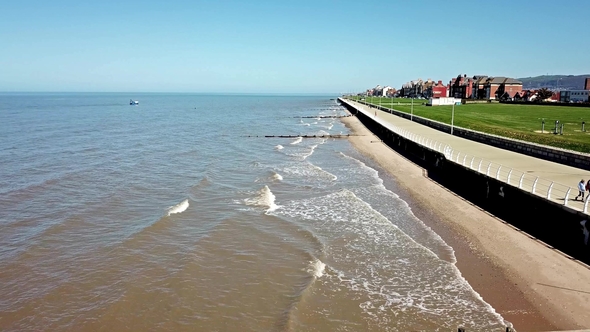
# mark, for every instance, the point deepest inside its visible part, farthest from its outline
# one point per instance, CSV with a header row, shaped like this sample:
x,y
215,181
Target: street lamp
x,y
452,116
391,108
412,110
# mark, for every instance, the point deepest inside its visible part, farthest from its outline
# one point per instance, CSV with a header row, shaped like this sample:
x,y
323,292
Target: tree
x,y
543,94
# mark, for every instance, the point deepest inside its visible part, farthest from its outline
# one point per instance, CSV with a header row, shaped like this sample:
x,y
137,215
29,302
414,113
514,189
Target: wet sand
x,y
532,286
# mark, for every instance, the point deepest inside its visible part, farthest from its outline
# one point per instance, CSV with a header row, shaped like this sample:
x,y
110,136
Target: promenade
x,y
555,182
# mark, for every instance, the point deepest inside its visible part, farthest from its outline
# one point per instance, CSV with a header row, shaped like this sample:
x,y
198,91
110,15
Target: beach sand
x,y
532,286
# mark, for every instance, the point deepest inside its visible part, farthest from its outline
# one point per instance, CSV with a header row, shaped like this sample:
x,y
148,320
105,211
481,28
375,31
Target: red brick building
x,y
587,84
439,90
461,87
497,87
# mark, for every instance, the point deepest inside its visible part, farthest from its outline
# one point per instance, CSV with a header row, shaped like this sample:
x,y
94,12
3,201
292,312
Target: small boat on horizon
x,y
133,102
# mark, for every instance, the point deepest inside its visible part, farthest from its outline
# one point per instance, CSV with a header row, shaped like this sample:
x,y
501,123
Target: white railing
x,y
550,190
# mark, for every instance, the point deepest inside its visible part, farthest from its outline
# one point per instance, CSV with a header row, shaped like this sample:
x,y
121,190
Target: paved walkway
x,y
551,180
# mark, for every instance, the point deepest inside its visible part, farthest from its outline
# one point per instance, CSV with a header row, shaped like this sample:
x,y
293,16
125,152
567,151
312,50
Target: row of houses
x,y
386,91
463,87
477,87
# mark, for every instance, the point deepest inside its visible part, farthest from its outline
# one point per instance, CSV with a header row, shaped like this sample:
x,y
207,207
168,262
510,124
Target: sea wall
x,y
557,226
557,155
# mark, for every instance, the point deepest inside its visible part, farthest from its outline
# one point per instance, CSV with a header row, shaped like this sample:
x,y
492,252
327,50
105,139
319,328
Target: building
x,y
461,87
574,96
436,90
525,95
388,91
414,89
501,87
443,101
478,87
376,91
587,84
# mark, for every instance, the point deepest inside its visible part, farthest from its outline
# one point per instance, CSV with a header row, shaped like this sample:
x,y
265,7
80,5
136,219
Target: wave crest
x,y
265,198
316,268
178,208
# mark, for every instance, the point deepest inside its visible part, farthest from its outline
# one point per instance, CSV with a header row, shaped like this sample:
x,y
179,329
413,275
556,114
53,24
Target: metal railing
x,y
535,185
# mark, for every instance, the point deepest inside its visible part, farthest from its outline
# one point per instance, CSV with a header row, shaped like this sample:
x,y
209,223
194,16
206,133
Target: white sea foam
x,y
309,172
376,258
277,176
312,148
178,208
279,147
297,140
334,177
435,242
264,198
316,268
322,132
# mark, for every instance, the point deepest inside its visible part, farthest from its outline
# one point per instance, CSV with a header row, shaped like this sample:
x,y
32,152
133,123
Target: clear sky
x,y
282,46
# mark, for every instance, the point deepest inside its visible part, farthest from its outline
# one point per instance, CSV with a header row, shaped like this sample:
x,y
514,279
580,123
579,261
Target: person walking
x,y
581,189
588,187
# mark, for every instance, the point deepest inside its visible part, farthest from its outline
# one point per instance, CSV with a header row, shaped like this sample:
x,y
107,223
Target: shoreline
x,y
532,286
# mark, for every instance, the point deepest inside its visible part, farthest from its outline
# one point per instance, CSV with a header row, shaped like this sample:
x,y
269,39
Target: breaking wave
x,y
178,208
264,198
316,268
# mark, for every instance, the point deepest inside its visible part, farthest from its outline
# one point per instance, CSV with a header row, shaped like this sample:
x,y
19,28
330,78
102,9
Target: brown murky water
x,y
274,235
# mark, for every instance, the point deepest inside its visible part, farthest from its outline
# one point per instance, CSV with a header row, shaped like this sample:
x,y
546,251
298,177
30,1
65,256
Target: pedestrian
x,y
581,189
588,188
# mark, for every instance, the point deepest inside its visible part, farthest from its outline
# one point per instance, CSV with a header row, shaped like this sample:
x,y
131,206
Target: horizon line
x,y
172,92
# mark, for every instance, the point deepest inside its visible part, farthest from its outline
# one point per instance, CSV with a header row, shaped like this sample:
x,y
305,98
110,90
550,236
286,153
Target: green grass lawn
x,y
523,122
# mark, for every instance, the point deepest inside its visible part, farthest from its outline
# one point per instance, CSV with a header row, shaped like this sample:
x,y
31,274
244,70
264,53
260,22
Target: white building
x,y
443,101
385,90
574,96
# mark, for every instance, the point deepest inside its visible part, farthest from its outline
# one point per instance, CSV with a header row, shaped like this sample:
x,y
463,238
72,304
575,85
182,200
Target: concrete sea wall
x,y
557,226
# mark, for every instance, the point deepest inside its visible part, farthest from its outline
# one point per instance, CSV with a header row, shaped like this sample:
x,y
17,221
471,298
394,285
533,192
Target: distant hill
x,y
561,82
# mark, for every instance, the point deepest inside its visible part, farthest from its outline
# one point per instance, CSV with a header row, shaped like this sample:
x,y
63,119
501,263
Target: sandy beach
x,y
531,285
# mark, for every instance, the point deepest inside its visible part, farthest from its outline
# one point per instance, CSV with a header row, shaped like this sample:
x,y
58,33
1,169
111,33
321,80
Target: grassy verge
x,y
523,122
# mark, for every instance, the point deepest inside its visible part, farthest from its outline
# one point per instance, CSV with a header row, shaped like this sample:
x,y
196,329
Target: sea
x,y
186,212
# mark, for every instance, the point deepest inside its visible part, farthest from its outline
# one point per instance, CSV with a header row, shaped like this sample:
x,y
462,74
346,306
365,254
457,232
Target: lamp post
x,y
391,108
452,116
412,110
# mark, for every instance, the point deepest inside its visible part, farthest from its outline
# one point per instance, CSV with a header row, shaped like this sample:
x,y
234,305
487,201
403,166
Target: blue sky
x,y
282,47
